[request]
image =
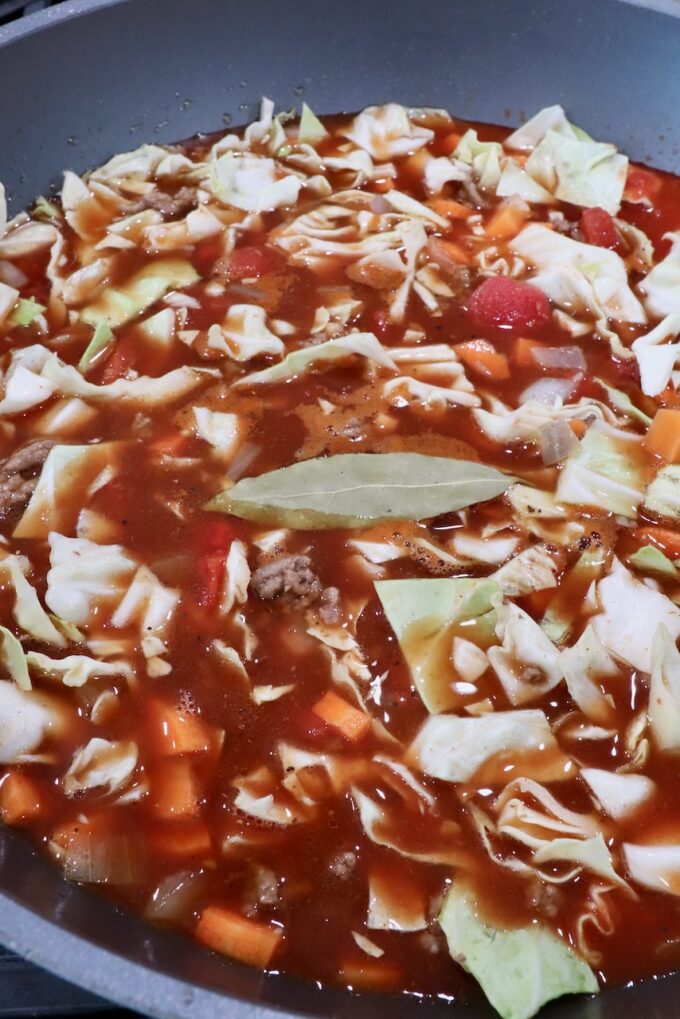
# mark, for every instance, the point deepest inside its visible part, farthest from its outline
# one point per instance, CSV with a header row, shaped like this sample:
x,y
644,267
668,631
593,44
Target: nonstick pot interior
x,y
86,79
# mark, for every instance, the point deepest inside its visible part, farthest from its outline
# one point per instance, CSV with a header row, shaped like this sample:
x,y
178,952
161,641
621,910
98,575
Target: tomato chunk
x,y
514,307
120,360
214,542
599,228
249,262
641,184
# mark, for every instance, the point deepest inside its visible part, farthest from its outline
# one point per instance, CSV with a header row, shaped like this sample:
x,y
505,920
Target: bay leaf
x,y
358,489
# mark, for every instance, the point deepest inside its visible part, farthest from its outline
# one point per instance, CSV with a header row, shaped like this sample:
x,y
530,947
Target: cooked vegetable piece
x,y
340,548
230,934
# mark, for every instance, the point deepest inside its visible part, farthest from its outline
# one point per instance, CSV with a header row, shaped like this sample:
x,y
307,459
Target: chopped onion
x,y
95,857
556,442
551,391
380,205
242,461
571,358
175,896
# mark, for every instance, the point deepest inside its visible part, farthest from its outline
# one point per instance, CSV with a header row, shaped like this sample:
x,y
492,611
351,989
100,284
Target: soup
x,y
340,491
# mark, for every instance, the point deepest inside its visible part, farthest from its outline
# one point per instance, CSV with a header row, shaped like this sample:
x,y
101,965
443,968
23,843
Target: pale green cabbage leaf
x,y
518,969
423,613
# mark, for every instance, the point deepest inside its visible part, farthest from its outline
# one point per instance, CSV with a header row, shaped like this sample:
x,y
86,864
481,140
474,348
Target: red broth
x,y
310,879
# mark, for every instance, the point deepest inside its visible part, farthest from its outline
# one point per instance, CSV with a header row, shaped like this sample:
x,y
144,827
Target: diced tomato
x,y
216,535
120,360
641,183
599,228
214,542
250,261
206,253
211,571
509,305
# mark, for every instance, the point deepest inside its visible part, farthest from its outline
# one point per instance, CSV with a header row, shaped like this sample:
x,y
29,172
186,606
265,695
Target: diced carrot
x,y
663,435
507,222
20,800
482,357
176,731
578,427
231,934
449,250
336,712
663,538
522,352
175,790
449,208
184,840
449,143
416,162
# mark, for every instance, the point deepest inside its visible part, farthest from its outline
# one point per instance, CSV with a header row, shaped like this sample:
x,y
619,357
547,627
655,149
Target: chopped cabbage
x,y
365,344
519,969
102,338
67,472
252,183
550,118
662,495
582,172
590,854
27,611
422,614
654,866
573,274
118,305
26,718
236,578
605,471
386,132
220,429
583,664
13,658
67,380
454,749
618,795
24,387
630,614
26,311
664,691
82,574
244,334
532,569
528,663
310,130
483,157
516,180
661,286
8,299
74,670
101,764
147,602
649,559
541,818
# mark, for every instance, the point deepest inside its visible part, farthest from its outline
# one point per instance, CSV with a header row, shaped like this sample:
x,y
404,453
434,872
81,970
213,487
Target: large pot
x,y
91,77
